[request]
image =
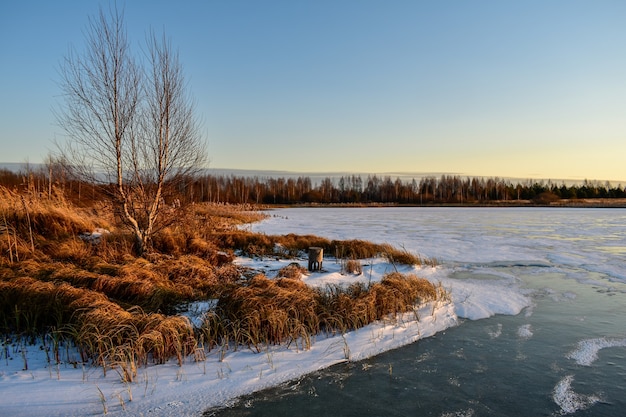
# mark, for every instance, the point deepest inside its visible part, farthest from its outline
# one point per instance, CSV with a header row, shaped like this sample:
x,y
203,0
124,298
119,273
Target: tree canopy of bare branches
x,y
130,122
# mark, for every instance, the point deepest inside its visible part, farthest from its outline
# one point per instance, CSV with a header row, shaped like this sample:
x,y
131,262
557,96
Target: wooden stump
x,y
316,257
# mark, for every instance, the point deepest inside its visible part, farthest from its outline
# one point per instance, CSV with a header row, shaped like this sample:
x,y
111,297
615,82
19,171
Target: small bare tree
x,y
131,127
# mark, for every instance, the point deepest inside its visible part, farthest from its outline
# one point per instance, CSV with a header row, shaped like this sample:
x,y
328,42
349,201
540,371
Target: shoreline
x,y
564,203
218,380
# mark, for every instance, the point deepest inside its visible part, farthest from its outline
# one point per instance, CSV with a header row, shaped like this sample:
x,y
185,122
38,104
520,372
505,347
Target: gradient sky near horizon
x,y
523,89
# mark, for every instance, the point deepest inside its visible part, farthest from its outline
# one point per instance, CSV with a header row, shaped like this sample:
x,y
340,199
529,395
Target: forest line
x,y
346,189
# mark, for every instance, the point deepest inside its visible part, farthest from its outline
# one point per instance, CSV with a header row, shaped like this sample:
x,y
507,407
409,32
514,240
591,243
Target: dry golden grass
x,y
264,312
286,310
353,266
100,295
399,293
253,244
290,245
342,309
294,271
115,306
220,217
50,217
103,330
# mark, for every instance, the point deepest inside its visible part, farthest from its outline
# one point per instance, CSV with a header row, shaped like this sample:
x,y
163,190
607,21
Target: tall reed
x,y
285,310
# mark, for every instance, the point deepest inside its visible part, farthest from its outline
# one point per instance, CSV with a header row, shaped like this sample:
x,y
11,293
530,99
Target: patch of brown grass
x,y
264,312
252,244
286,310
49,216
357,305
294,271
103,331
352,266
291,245
399,293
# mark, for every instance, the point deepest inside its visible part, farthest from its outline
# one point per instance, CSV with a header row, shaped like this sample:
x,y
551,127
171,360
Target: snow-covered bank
x,y
188,390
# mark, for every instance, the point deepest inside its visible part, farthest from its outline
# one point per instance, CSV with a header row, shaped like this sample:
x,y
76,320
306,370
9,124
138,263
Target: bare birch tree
x,y
131,127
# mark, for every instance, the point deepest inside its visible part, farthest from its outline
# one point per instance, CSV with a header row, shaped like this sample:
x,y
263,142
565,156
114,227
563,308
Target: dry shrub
x,y
398,293
114,337
345,308
291,245
13,248
294,271
298,243
360,249
256,244
58,222
208,251
265,312
30,305
115,247
356,249
124,284
191,271
285,310
149,286
105,268
219,216
342,309
162,337
169,242
253,244
353,266
104,332
33,268
51,216
228,274
404,257
75,276
140,269
136,283
32,226
73,250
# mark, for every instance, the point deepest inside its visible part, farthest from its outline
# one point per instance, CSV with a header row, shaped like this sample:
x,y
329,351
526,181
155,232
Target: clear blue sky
x,y
527,89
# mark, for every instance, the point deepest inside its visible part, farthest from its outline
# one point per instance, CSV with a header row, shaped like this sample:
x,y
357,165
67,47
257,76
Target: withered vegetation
x,y
62,284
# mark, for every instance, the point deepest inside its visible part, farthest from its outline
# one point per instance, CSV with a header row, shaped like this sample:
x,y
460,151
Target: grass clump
x,y
294,271
264,312
352,307
290,245
285,310
352,266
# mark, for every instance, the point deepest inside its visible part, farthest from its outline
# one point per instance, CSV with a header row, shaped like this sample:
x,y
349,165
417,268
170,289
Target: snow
x,y
170,390
49,390
94,236
570,401
586,353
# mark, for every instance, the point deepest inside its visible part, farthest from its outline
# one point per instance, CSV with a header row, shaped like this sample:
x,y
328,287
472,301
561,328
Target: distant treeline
x,y
355,189
349,189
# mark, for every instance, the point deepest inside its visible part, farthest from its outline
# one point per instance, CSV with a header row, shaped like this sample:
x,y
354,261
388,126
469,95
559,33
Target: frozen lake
x,y
564,354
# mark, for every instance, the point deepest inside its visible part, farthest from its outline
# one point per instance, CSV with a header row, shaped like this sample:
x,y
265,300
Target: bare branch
x,y
131,130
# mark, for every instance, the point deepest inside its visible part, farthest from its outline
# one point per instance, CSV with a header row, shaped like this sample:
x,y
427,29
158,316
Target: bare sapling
x,y
131,130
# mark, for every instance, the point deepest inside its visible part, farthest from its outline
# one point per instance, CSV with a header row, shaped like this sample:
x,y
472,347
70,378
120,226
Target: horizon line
x,y
403,175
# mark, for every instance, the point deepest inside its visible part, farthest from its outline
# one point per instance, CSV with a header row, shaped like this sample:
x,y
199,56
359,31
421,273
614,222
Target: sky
x,y
532,89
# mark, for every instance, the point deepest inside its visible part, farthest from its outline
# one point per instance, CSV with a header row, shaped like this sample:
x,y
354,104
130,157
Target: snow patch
x,y
568,400
587,350
525,331
95,236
